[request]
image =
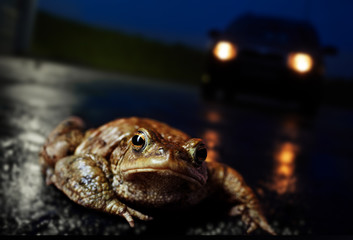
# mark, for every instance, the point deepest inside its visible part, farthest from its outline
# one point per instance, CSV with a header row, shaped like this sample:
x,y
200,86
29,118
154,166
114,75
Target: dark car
x,y
266,56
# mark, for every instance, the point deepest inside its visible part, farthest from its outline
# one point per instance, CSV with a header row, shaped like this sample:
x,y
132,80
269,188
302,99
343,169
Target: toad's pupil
x,y
201,154
138,140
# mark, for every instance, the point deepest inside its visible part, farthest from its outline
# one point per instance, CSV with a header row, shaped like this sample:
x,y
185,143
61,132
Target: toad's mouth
x,y
198,180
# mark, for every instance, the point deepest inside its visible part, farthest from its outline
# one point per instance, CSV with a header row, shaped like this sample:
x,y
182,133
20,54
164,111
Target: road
x,y
299,166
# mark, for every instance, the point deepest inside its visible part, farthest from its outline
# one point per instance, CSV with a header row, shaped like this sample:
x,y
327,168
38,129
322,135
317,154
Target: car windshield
x,y
273,31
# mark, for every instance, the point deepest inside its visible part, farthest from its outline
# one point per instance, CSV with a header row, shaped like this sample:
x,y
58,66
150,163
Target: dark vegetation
x,y
68,41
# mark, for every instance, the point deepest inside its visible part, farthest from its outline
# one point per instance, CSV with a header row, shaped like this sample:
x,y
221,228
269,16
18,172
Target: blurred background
x,y
167,41
169,32
104,59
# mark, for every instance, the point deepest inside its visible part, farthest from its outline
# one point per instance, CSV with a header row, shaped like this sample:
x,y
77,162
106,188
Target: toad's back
x,y
103,140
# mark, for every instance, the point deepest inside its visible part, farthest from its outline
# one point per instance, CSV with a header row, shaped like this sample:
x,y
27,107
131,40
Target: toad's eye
x,y
201,154
138,141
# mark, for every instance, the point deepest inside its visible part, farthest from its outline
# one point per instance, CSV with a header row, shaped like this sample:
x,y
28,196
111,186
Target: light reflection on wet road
x,y
298,165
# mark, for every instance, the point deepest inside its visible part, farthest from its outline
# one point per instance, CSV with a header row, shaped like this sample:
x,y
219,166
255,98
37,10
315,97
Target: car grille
x,y
265,58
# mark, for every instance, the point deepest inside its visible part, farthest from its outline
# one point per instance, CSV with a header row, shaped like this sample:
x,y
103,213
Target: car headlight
x,y
225,51
300,62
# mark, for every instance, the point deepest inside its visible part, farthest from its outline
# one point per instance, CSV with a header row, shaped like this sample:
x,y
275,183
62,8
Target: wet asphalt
x,y
299,165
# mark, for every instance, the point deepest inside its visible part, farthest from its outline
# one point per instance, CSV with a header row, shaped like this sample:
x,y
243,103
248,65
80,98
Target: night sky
x,y
188,21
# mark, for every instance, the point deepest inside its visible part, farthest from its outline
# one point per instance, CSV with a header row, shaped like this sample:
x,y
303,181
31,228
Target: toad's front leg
x,y
85,180
231,184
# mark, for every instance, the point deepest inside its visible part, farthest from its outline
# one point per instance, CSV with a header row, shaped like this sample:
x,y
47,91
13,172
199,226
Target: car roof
x,y
278,21
251,24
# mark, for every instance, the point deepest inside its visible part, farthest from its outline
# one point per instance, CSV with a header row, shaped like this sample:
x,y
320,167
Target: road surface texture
x,y
299,166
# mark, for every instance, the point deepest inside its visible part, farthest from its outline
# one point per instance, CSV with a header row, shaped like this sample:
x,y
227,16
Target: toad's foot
x,y
231,185
252,218
116,207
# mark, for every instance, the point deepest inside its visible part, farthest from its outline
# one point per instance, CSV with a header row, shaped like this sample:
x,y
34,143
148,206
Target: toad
x,y
141,162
